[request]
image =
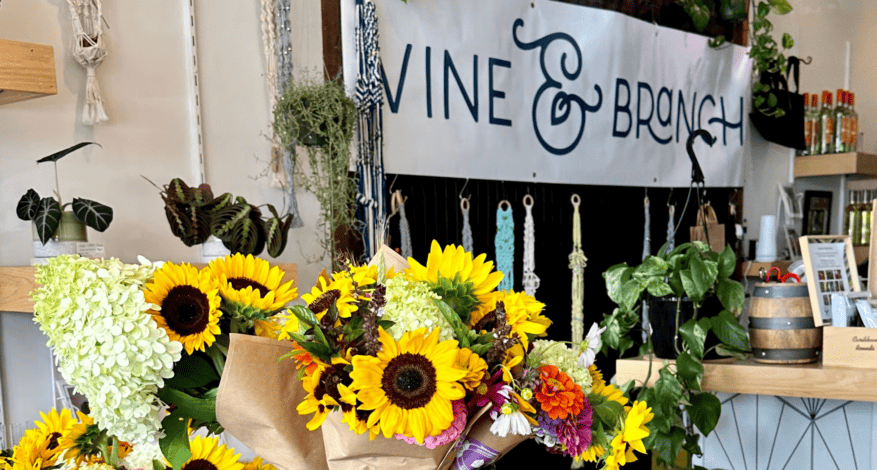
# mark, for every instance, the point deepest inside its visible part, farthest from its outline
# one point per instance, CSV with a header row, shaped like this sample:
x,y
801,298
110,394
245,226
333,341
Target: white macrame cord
x,y
531,280
89,51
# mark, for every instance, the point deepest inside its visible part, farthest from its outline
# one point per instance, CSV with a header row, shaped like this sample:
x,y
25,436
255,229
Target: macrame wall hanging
x,y
505,245
278,64
89,51
369,129
531,280
671,228
397,205
647,250
467,228
577,263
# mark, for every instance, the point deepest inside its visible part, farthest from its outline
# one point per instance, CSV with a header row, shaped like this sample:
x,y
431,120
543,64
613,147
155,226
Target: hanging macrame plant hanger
x,y
89,51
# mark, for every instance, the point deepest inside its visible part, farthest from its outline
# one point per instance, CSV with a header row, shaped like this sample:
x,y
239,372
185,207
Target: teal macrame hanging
x,y
505,245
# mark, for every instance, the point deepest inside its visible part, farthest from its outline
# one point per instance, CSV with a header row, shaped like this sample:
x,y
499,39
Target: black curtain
x,y
612,232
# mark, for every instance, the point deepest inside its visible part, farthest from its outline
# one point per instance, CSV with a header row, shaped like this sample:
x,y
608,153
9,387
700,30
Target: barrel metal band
x,y
785,354
782,291
781,323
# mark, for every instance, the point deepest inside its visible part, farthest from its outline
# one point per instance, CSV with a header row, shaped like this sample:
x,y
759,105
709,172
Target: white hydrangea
x,y
142,455
561,356
410,305
106,344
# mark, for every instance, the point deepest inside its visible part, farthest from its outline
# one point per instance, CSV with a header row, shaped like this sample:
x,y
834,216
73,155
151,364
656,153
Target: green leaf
x,y
690,369
723,350
616,276
652,266
226,221
668,392
630,293
618,326
320,337
158,465
729,331
319,350
28,205
47,218
305,315
658,288
731,295
277,233
702,276
727,263
694,335
788,41
457,325
780,7
666,444
763,10
58,155
699,13
199,409
693,291
93,214
717,42
191,372
759,101
705,410
771,100
610,412
175,443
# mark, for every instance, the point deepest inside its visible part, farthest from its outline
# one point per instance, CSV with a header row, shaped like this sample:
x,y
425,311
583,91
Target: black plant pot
x,y
662,318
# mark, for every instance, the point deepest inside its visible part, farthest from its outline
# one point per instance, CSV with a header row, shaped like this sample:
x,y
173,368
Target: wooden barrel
x,y
781,327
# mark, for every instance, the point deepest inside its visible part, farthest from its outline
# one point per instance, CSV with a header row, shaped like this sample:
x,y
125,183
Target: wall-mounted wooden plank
x,y
16,284
26,71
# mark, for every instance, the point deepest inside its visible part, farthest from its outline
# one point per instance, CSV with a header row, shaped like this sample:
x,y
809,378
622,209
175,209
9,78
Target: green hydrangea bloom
x,y
410,304
547,352
107,345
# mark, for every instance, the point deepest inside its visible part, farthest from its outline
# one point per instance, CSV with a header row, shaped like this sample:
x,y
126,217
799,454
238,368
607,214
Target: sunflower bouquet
x,y
146,344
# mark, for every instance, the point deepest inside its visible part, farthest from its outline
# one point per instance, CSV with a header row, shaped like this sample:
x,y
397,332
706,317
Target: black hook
x,y
696,172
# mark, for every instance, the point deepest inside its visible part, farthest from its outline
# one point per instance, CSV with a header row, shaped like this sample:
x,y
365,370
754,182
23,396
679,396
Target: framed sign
x,y
817,213
830,266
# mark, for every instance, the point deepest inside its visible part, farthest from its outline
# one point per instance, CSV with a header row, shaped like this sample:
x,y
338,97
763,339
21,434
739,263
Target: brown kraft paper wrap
x,y
256,404
348,451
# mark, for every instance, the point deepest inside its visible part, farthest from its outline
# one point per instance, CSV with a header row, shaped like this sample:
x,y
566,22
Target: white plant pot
x,y
213,249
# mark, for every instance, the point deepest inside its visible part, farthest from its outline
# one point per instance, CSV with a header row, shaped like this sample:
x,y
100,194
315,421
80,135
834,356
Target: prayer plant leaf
x,y
93,214
28,205
58,155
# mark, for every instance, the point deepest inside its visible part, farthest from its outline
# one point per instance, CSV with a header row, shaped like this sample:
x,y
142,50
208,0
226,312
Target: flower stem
x,y
676,331
57,186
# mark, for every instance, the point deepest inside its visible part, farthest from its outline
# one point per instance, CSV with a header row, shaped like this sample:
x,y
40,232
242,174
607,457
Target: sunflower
x,y
339,292
592,453
207,454
631,436
188,303
82,442
56,426
475,366
513,357
410,384
609,392
252,282
596,375
464,283
522,314
327,388
258,464
33,451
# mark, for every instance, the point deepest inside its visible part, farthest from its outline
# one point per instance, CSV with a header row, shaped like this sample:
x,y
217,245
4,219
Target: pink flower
x,y
575,432
488,392
449,435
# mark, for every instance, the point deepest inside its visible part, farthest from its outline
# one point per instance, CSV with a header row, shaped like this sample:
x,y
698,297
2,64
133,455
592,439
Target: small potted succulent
x,y
51,221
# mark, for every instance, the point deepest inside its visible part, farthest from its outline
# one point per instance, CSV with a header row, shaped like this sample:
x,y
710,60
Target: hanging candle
x,y
531,280
505,245
577,263
467,229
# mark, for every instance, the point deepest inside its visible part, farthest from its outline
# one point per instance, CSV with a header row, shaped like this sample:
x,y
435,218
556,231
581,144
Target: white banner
x,y
538,90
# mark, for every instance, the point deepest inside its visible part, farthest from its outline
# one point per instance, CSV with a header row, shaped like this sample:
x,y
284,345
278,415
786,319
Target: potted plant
x,y
320,116
49,218
194,215
691,271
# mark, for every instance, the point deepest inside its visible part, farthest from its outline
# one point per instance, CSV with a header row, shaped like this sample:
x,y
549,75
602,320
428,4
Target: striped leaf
x,y
225,221
58,155
28,205
93,214
47,218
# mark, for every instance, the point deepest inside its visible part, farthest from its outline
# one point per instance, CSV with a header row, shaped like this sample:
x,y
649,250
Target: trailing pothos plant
x,y
45,212
194,214
690,270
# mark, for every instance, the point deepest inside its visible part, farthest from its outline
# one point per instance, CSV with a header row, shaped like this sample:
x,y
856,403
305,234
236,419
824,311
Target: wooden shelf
x,y
753,378
751,268
855,163
27,71
16,284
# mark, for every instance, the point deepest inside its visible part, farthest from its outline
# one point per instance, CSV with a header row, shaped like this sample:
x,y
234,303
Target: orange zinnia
x,y
558,394
304,358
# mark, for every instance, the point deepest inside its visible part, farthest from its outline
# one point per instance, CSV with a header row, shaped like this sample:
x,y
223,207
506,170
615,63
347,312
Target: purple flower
x,y
488,392
575,432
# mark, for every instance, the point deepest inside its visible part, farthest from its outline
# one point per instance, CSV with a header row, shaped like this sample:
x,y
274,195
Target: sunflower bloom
x,y
258,464
475,365
56,426
558,394
80,443
410,385
207,454
326,293
609,392
521,310
596,375
592,453
327,388
461,281
631,436
252,282
188,302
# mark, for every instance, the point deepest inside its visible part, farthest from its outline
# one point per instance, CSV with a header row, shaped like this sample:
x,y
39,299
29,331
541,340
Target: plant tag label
x,y
91,250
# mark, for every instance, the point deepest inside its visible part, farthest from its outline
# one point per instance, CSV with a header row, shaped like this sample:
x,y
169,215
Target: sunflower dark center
x,y
200,464
238,283
324,301
186,310
409,381
53,440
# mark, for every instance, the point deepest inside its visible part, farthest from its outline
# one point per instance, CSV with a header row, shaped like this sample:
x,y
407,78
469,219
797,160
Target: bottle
x,y
808,128
848,211
855,225
854,123
838,114
826,121
816,141
867,217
